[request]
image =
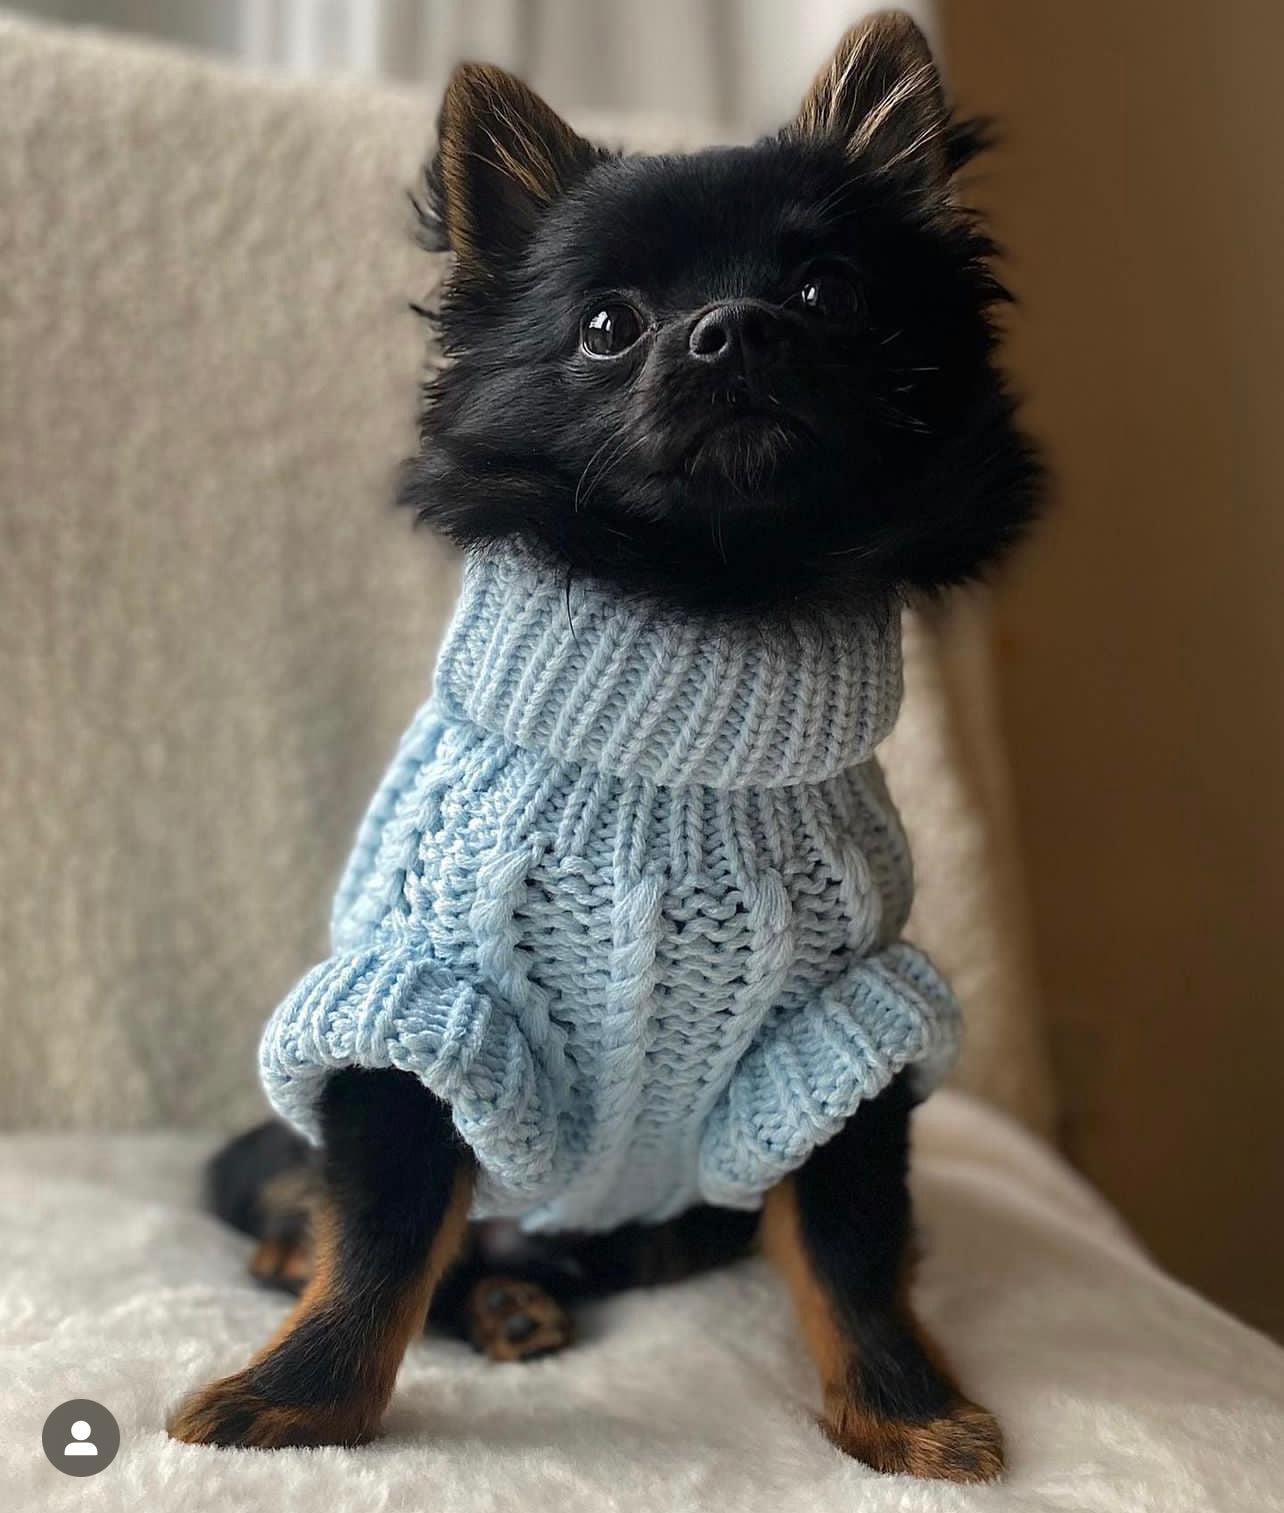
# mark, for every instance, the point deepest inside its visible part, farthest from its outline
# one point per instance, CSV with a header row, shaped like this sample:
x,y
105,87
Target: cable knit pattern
x,y
629,899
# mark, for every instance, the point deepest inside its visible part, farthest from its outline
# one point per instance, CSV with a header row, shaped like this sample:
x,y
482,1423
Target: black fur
x,y
878,452
241,1176
391,1161
262,1183
855,1227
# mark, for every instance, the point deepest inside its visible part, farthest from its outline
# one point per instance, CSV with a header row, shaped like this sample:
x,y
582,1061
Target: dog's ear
x,y
880,98
502,157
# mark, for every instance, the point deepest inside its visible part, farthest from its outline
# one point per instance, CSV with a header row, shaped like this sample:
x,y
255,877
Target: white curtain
x,y
739,63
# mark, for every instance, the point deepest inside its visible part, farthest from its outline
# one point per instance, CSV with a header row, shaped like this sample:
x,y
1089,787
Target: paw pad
x,y
516,1321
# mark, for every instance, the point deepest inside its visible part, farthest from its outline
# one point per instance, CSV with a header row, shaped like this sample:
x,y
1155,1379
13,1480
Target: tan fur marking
x,y
298,1190
496,1303
391,1334
963,1445
284,1262
782,1245
231,1412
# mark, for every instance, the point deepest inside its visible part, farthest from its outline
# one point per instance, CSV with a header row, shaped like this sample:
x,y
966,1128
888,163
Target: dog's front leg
x,y
398,1186
839,1231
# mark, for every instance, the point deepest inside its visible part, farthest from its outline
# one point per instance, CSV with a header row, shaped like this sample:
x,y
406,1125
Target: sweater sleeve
x,y
390,827
391,1002
809,1068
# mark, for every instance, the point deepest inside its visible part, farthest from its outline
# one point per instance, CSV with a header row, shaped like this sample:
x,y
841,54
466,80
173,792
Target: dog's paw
x,y
964,1445
283,1262
232,1412
516,1321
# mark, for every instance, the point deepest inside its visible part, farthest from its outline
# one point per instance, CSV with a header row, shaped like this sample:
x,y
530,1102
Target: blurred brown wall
x,y
1141,190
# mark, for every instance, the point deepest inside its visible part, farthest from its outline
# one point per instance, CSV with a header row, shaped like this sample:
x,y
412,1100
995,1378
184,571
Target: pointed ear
x,y
502,157
879,98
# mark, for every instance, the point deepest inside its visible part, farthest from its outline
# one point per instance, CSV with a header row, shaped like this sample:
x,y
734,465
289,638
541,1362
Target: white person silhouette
x,y
81,1444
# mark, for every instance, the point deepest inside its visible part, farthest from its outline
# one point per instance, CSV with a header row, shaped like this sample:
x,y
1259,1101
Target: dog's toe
x,y
283,1261
233,1413
516,1321
963,1445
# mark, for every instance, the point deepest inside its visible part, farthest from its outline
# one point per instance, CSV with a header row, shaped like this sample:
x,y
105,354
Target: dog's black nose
x,y
740,334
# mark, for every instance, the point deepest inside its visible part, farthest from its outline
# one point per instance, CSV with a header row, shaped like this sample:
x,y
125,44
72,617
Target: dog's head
x,y
746,378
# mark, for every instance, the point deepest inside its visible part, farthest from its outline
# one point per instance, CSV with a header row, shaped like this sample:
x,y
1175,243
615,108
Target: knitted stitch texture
x,y
629,900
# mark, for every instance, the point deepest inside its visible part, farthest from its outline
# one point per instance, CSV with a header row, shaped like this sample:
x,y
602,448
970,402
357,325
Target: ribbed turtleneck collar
x,y
634,688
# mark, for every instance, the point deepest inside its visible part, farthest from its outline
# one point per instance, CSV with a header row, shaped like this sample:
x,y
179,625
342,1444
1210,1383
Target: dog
x,y
729,394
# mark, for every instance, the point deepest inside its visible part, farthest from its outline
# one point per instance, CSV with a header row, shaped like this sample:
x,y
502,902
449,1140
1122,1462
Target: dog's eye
x,y
610,330
828,293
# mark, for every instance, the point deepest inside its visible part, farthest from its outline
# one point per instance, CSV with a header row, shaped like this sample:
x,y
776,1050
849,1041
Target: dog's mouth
x,y
745,441
746,419
742,404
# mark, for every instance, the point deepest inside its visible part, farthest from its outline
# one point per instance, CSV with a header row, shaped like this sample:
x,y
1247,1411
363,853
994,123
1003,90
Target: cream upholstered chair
x,y
212,630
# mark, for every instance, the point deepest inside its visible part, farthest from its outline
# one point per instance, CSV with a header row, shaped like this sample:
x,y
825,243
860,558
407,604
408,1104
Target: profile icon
x,y
80,1443
81,1437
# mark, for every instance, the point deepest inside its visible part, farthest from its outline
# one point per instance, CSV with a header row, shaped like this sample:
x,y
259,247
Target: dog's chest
x,y
674,918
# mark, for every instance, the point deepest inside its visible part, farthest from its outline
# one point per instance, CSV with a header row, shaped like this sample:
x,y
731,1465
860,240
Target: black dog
x,y
741,381
738,379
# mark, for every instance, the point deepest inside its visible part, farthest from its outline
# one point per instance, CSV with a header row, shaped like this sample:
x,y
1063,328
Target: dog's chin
x,y
744,452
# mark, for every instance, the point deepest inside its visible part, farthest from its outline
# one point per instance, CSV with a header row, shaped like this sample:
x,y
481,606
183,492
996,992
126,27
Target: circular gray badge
x,y
81,1437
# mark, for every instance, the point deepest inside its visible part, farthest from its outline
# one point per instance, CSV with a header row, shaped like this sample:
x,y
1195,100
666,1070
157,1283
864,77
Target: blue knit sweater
x,y
629,900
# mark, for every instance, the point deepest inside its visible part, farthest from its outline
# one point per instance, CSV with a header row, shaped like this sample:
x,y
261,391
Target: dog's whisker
x,y
616,436
610,465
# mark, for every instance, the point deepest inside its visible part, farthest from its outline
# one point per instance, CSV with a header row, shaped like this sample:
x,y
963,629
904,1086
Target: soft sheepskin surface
x,y
1119,1389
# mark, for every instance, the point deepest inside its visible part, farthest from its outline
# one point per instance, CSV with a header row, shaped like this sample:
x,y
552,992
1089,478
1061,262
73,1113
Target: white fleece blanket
x,y
1119,1389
